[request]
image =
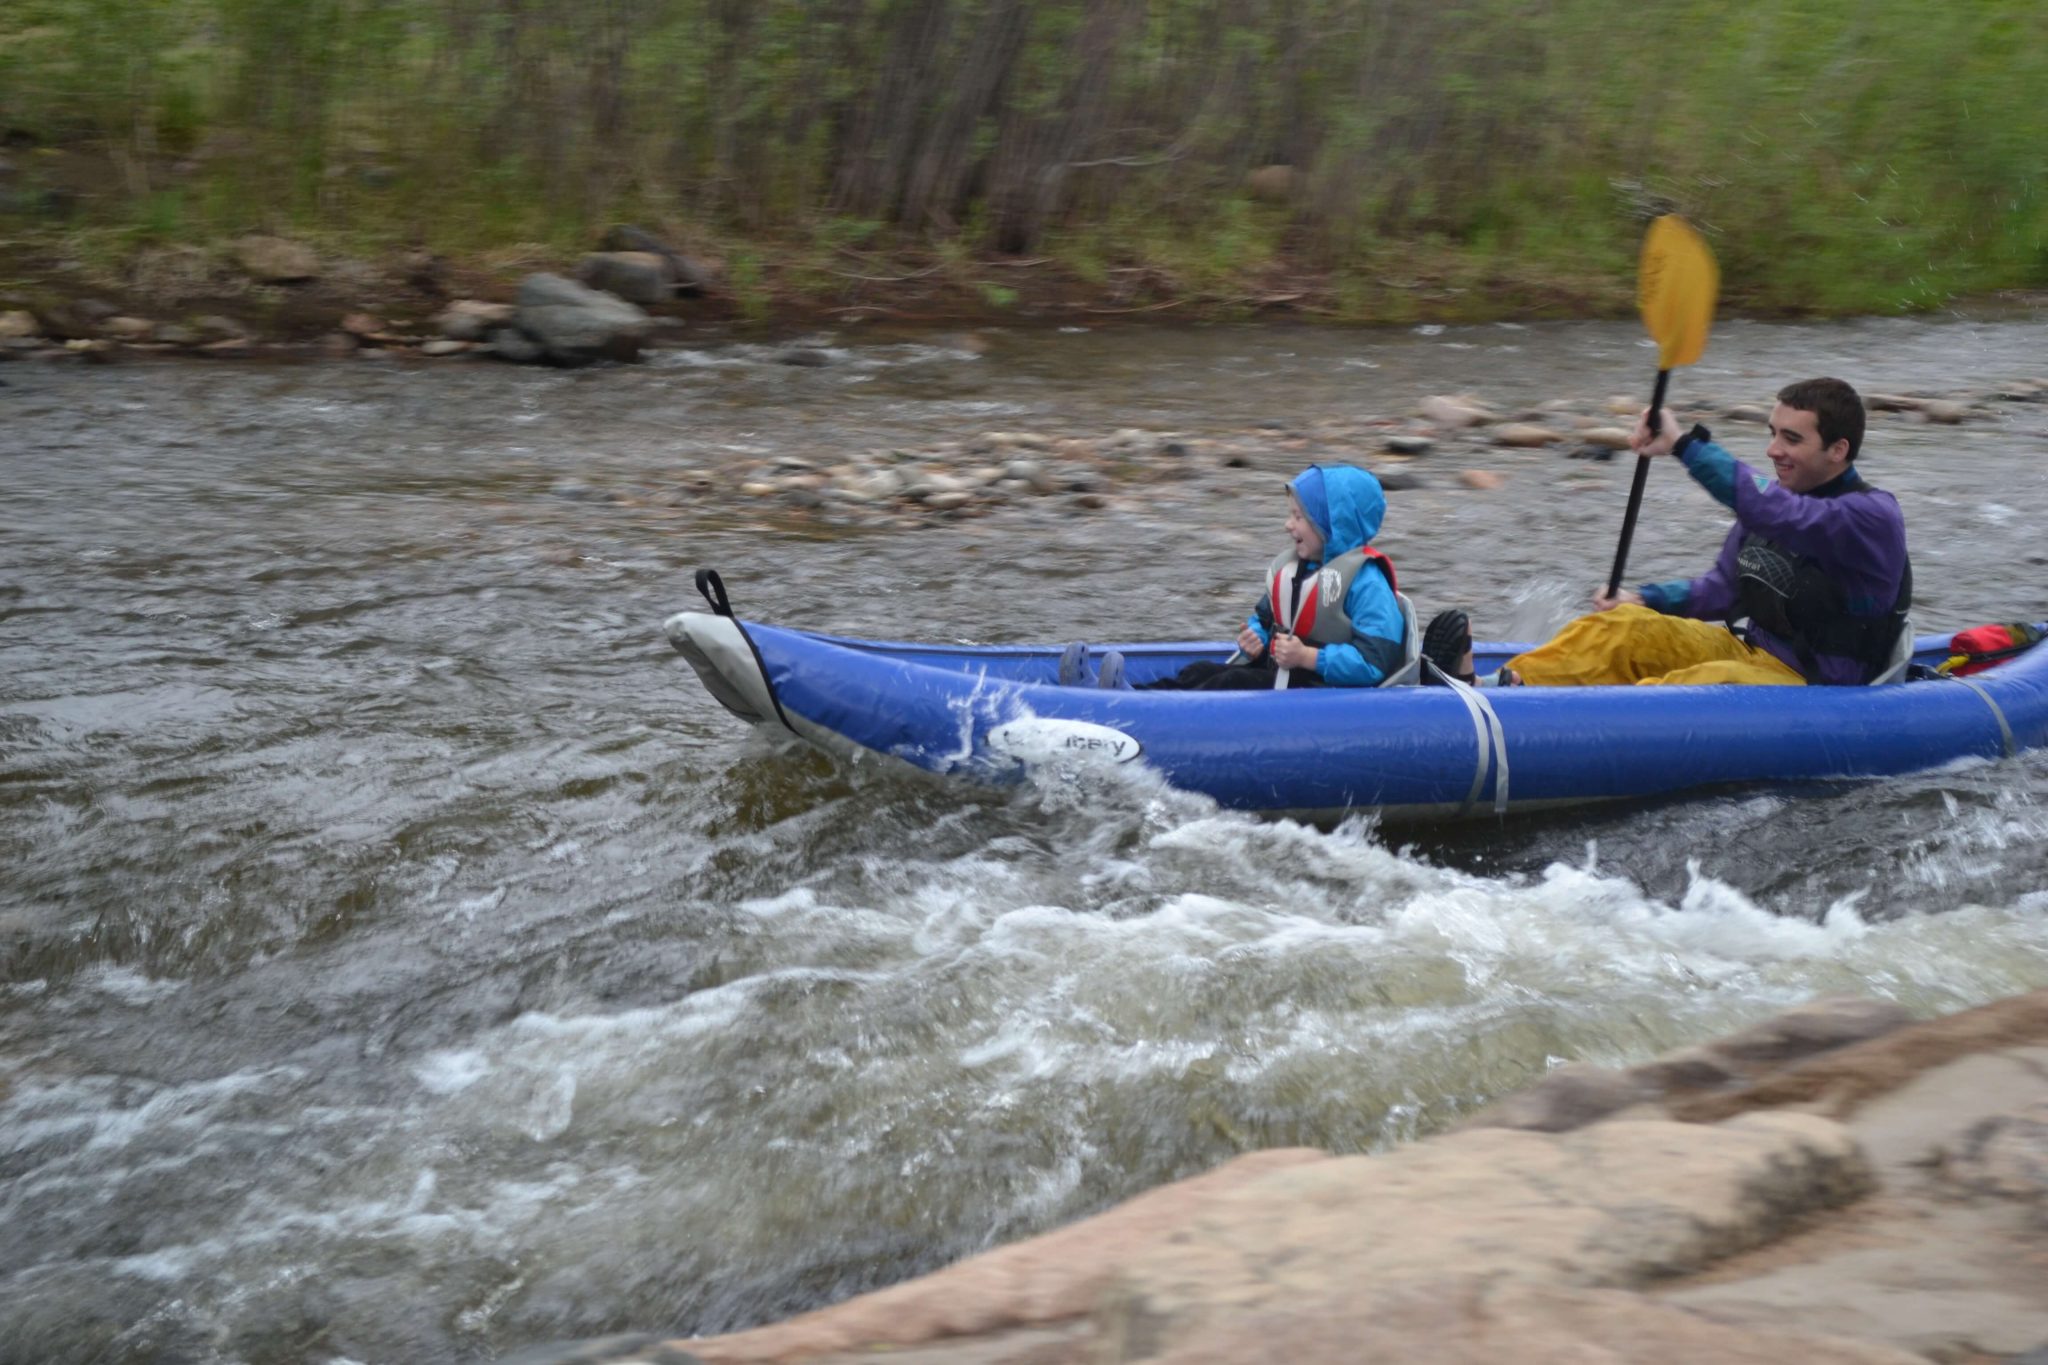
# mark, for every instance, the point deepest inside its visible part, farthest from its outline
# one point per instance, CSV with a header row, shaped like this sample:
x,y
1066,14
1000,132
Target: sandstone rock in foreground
x,y
1835,1186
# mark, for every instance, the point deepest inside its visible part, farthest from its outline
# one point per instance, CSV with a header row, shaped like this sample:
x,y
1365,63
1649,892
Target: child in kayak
x,y
1327,616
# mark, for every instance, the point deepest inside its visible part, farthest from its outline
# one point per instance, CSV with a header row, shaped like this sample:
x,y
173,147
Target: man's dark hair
x,y
1837,410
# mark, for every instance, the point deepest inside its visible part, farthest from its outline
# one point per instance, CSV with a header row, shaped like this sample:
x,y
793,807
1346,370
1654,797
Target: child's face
x,y
1308,541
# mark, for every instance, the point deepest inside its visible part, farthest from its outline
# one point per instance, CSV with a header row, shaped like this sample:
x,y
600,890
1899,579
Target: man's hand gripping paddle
x,y
1675,290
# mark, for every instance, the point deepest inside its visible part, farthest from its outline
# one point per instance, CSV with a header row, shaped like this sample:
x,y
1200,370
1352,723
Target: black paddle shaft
x,y
1635,492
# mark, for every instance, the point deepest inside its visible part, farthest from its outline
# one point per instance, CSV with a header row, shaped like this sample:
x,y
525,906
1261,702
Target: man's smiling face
x,y
1801,461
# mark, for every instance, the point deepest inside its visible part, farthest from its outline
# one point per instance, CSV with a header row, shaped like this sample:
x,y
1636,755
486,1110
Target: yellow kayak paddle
x,y
1675,291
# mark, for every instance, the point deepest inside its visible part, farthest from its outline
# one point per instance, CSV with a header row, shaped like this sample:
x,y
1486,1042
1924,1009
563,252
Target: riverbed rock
x,y
1454,413
1399,481
19,322
1944,413
276,260
472,319
122,327
362,324
443,346
690,277
509,343
576,325
1484,480
1408,445
805,357
640,277
1525,435
1610,438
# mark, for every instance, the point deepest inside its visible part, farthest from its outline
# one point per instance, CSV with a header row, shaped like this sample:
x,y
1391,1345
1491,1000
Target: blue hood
x,y
1344,502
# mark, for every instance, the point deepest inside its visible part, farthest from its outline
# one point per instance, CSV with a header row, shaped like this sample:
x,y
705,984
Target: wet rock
x,y
509,343
1032,475
1611,438
576,325
19,322
472,319
641,277
1399,481
805,357
1813,1028
879,485
1569,1097
339,345
234,348
1174,450
124,328
1454,413
68,320
1484,480
1944,413
443,346
1745,412
1091,501
688,277
1408,445
2006,1155
1890,402
1525,436
218,328
276,260
176,334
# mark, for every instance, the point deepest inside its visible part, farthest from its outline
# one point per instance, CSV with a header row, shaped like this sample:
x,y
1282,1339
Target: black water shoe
x,y
1446,641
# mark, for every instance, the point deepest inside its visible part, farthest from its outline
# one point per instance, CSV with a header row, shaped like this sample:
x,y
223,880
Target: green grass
x,y
1451,155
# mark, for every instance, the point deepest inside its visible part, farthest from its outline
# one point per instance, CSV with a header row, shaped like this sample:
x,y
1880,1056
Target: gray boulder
x,y
640,277
575,325
691,278
509,343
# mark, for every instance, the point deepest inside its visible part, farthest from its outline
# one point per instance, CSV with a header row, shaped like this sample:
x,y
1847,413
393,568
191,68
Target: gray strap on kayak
x,y
1492,742
2004,730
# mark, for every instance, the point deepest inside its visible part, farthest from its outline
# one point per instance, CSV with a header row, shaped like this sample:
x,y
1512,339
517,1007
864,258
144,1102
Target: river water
x,y
406,960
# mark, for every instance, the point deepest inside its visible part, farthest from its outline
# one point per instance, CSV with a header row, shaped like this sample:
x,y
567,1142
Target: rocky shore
x,y
1839,1185
1444,441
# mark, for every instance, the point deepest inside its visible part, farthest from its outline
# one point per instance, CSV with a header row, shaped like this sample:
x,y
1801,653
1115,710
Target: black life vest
x,y
1797,600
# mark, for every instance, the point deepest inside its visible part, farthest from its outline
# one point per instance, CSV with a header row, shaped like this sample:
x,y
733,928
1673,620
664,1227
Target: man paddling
x,y
1815,566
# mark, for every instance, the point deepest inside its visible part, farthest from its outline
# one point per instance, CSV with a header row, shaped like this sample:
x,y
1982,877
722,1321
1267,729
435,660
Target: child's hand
x,y
1290,652
1249,643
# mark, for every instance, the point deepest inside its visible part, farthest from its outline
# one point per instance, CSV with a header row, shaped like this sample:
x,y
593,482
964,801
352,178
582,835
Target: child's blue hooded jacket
x,y
1346,505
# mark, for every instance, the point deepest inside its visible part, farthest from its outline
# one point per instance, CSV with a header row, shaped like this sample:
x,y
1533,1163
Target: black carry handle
x,y
713,588
1635,492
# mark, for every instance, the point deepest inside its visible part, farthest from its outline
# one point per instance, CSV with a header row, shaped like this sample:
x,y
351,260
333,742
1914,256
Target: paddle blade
x,y
1676,290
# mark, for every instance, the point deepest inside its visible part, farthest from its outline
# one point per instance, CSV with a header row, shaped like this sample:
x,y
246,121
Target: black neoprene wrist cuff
x,y
1698,433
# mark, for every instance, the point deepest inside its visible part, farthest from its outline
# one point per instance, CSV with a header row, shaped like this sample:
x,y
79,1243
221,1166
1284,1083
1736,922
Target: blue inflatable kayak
x,y
988,713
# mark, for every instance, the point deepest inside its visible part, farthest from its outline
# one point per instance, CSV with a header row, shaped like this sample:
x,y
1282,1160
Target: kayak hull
x,y
989,713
